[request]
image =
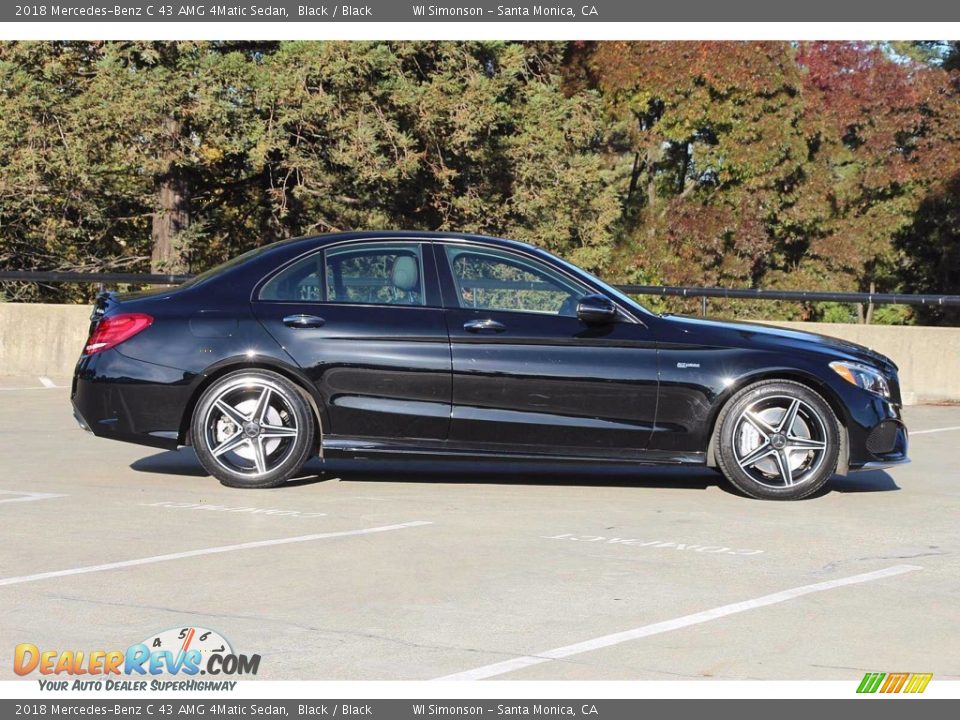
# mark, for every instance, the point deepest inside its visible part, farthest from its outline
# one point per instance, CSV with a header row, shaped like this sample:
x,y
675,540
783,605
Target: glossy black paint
x,y
541,381
445,380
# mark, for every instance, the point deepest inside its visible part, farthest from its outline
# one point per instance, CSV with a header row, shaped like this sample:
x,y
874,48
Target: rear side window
x,y
375,274
367,274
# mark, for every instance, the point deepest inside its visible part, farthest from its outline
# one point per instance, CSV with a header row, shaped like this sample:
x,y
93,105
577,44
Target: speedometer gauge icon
x,y
183,639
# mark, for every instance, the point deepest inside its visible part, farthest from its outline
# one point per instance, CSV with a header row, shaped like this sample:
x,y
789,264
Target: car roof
x,y
323,239
247,269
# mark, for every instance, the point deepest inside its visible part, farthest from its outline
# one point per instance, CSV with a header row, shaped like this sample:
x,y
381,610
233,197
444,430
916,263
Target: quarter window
x,y
301,282
492,280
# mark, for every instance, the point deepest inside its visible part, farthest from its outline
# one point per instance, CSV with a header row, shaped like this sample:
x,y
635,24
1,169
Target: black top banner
x,y
479,11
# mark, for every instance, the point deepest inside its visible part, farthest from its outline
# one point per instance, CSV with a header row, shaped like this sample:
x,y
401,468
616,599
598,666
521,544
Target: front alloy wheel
x,y
252,429
777,440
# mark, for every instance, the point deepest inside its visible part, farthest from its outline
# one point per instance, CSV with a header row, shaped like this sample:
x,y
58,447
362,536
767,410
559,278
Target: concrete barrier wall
x,y
41,339
47,339
928,357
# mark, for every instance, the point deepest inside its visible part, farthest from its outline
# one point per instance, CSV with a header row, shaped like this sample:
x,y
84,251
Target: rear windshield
x,y
223,267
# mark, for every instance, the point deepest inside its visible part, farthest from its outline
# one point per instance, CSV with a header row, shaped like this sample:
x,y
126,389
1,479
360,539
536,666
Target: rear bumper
x,y
80,421
130,400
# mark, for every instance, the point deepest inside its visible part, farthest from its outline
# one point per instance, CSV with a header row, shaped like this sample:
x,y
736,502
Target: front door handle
x,y
485,325
303,321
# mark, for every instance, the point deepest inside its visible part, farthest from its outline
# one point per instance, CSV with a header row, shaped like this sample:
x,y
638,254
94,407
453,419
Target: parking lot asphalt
x,y
392,571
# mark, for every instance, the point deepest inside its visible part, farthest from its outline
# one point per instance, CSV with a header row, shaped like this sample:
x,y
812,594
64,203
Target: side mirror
x,y
596,310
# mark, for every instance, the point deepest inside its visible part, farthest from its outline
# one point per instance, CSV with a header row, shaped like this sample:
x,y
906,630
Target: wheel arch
x,y
229,365
799,376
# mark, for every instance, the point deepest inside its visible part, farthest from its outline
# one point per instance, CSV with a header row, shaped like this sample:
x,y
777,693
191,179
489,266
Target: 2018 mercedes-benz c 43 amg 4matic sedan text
x,y
408,344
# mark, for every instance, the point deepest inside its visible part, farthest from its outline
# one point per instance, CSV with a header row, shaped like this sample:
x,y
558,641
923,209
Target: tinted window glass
x,y
491,280
301,282
368,274
377,274
228,265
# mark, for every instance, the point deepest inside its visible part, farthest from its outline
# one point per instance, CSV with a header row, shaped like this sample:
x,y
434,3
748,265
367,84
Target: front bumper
x,y
882,442
881,464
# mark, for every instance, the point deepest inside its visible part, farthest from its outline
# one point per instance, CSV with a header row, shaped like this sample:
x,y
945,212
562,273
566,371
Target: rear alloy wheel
x,y
252,429
777,440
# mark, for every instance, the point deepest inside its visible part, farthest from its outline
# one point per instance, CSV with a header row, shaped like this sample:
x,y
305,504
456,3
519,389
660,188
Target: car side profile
x,y
402,344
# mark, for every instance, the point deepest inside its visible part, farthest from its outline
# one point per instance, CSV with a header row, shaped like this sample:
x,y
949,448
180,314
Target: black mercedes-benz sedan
x,y
405,344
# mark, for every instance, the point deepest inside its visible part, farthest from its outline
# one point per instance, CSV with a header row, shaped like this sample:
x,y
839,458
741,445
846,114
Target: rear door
x,y
365,322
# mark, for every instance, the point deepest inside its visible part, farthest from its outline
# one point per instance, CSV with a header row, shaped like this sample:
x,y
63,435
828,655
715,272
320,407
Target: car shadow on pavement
x,y
184,462
171,462
859,482
513,473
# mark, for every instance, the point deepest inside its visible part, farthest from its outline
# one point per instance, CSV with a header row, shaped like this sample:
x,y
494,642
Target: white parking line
x,y
605,641
28,496
934,430
47,382
240,509
619,542
206,551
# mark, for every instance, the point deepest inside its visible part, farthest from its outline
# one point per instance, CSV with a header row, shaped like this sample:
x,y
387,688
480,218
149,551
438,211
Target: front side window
x,y
368,274
488,279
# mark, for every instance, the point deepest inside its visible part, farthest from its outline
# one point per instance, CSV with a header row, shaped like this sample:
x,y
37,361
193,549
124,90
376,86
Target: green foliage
x,y
474,137
835,312
829,166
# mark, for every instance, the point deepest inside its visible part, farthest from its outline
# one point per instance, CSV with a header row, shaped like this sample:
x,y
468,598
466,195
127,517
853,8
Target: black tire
x,y
266,418
765,458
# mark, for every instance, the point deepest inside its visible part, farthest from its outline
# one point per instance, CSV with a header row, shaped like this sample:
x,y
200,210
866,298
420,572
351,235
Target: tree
x,y
450,136
713,130
67,202
883,136
184,116
781,165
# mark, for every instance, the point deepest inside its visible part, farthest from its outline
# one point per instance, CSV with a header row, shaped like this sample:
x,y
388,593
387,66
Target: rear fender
x,y
243,362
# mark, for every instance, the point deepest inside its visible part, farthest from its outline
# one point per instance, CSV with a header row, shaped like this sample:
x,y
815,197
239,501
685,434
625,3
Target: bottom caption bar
x,y
401,709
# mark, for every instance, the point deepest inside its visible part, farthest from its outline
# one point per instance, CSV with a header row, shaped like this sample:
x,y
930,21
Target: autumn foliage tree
x,y
762,164
713,132
776,164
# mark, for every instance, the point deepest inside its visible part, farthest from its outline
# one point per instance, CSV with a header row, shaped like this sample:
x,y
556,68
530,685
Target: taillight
x,y
115,329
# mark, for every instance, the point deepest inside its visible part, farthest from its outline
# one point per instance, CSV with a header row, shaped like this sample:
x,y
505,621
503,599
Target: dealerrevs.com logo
x,y
170,660
897,682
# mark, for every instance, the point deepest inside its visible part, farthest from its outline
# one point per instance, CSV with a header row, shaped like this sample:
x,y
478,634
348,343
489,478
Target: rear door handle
x,y
303,321
485,325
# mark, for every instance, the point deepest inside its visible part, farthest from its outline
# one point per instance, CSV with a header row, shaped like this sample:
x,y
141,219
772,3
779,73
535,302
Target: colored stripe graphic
x,y
870,682
894,682
918,682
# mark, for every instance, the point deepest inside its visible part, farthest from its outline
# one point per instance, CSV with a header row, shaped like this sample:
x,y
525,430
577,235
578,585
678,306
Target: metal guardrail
x,y
652,290
792,295
81,277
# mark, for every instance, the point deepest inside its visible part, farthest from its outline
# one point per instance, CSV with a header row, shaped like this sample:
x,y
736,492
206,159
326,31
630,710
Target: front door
x,y
364,321
528,375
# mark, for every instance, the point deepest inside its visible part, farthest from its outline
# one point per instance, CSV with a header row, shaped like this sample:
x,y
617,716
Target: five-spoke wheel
x,y
777,439
252,429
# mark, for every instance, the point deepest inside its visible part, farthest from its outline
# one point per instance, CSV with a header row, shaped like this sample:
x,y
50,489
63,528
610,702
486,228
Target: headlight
x,y
862,376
